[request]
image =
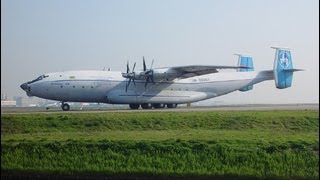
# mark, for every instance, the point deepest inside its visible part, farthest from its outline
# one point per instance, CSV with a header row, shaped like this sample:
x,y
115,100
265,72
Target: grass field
x,y
276,144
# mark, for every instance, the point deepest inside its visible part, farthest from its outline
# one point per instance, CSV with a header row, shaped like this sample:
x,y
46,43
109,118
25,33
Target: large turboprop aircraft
x,y
158,87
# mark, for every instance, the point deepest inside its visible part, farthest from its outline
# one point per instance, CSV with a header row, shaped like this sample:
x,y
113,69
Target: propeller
x,y
148,73
130,75
144,64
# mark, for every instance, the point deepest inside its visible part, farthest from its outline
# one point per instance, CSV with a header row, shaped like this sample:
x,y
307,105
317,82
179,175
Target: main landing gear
x,y
150,106
65,106
172,105
134,106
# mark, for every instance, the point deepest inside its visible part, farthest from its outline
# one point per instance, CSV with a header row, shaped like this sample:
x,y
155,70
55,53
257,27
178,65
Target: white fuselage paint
x,y
109,87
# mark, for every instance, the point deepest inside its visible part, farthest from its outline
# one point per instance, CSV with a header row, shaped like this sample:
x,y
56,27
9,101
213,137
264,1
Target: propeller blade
x,y
128,69
152,79
134,66
146,83
134,83
144,64
127,85
152,63
129,81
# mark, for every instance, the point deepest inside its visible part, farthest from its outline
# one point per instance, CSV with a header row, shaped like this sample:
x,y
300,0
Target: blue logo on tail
x,y
284,59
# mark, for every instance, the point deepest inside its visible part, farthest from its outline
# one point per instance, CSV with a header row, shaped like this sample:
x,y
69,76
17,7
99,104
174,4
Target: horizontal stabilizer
x,y
293,70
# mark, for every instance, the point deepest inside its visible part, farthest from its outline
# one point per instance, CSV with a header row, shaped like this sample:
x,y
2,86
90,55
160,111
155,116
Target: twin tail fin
x,y
283,68
245,60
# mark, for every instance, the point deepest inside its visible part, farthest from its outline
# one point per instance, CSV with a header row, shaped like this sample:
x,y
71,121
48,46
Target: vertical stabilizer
x,y
283,68
245,60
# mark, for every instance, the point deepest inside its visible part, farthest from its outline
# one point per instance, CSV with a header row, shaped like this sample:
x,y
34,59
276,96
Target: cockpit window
x,y
38,79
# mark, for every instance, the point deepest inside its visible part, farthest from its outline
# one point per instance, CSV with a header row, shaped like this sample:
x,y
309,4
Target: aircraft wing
x,y
196,70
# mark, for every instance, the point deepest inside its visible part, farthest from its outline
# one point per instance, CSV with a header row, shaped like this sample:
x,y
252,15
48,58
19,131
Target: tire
x,y
172,105
146,106
65,107
158,106
134,106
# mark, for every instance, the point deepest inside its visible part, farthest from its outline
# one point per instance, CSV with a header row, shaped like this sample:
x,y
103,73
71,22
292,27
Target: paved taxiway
x,y
251,107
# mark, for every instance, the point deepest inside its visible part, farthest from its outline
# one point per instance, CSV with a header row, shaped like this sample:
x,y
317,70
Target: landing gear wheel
x,y
65,107
172,105
146,106
134,106
158,106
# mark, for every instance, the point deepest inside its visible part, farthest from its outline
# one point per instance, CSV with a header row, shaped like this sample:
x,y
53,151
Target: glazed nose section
x,y
24,86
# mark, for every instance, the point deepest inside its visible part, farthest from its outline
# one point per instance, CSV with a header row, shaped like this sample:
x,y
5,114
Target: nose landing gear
x,y
65,106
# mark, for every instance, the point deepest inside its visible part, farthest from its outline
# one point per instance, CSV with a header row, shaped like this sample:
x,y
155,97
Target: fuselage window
x,y
61,86
82,86
74,86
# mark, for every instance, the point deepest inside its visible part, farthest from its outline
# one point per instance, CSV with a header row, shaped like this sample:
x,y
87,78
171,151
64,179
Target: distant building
x,y
8,103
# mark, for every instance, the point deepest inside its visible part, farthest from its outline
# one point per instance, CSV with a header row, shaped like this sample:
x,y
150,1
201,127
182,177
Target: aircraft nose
x,y
24,86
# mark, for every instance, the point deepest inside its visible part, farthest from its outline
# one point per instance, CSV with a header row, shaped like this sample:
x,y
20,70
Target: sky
x,y
42,36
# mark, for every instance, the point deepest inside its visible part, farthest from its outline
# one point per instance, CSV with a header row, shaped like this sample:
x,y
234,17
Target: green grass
x,y
165,157
276,120
281,144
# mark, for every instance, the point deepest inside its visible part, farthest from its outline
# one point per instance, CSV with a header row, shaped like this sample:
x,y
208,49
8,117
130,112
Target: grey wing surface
x,y
183,72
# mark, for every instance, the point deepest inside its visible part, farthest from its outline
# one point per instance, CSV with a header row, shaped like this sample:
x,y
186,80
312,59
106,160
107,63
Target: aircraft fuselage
x,y
109,87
